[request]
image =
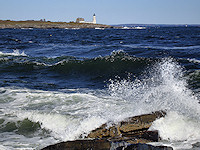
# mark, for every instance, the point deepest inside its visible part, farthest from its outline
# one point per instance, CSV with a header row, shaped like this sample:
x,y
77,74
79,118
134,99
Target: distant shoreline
x,y
74,25
48,24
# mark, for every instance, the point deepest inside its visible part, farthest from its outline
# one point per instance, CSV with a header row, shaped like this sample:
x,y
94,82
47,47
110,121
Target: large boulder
x,y
98,144
81,145
133,129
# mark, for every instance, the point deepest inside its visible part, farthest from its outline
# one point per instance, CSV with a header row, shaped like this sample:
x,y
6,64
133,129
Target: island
x,y
49,25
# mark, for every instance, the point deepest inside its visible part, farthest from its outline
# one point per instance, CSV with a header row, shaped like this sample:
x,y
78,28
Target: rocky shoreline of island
x,y
49,25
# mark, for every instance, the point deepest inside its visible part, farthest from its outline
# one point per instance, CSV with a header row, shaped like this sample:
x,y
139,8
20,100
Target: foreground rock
x,y
129,134
132,130
81,145
102,145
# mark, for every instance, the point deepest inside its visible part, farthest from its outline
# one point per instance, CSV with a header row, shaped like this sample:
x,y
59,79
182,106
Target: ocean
x,y
60,84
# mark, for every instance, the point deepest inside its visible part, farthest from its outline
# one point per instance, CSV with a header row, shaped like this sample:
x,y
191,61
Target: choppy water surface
x,y
59,84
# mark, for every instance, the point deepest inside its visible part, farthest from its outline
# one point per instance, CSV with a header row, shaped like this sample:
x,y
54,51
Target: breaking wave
x,y
69,116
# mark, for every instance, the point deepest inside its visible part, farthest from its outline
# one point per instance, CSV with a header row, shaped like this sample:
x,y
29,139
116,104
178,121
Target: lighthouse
x,y
81,20
94,19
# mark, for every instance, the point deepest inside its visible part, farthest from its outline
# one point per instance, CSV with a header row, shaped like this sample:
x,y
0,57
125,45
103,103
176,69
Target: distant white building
x,y
82,20
94,21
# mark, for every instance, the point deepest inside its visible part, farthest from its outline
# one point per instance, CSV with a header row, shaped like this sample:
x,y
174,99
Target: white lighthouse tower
x,y
94,19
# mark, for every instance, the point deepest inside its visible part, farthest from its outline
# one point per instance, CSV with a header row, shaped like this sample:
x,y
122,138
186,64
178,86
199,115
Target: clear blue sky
x,y
107,11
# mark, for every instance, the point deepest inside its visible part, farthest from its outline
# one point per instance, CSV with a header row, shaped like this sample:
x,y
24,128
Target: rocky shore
x,y
48,25
130,134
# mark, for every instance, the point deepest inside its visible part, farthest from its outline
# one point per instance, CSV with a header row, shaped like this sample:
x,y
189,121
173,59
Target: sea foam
x,y
179,131
14,53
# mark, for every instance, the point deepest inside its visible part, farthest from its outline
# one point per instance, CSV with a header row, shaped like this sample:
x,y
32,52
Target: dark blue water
x,y
59,84
87,58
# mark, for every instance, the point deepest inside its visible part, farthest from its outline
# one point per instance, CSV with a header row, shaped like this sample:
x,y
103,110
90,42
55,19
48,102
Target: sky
x,y
107,11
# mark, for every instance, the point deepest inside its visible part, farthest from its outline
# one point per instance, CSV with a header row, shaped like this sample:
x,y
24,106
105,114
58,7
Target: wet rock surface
x,y
130,134
140,146
81,145
196,146
132,130
103,145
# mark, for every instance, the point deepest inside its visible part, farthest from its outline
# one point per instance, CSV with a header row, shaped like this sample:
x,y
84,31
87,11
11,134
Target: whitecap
x,y
14,53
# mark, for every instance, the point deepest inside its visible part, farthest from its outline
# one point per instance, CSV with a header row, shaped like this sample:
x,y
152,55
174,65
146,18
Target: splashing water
x,y
164,89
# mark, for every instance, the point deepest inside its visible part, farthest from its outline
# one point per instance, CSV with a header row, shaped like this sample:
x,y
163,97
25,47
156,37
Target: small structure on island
x,y
43,20
82,20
